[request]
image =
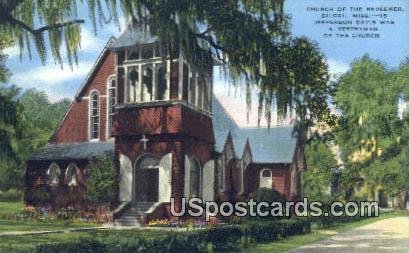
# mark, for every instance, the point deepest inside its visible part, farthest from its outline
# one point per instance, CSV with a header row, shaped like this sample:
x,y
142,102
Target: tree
x,y
321,164
27,123
250,39
370,133
40,118
102,182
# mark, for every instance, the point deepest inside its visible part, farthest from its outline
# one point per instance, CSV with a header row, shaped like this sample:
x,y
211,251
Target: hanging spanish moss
x,y
249,39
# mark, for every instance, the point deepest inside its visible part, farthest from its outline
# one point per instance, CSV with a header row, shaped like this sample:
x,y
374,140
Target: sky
x,y
392,48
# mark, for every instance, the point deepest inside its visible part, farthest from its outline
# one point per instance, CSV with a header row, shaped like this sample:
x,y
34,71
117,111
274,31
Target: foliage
x,y
366,126
221,238
268,195
372,136
250,39
27,122
11,196
38,195
321,164
102,182
19,17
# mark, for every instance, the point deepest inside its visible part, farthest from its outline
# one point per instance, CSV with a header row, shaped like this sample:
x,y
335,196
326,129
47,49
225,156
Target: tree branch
x,y
23,25
210,40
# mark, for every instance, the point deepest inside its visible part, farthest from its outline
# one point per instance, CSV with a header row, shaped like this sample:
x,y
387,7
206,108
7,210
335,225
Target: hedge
x,y
11,196
158,241
220,238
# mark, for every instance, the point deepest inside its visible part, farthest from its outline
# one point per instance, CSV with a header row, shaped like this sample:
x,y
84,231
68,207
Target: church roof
x,y
73,151
268,145
134,34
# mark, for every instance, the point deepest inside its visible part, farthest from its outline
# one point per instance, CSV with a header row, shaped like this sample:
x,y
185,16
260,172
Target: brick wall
x,y
74,127
280,173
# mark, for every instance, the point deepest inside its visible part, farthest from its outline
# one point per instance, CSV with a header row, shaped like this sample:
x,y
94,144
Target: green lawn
x,y
28,243
316,234
6,225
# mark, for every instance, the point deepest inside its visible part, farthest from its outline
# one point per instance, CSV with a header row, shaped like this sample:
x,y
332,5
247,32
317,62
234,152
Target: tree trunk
x,y
401,200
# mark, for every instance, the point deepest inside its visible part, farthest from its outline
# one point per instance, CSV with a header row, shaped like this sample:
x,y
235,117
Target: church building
x,y
168,136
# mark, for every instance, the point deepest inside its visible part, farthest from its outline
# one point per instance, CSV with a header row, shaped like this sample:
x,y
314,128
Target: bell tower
x,y
163,109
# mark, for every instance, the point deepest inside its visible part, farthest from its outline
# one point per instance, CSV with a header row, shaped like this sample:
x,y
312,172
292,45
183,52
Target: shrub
x,y
226,237
80,246
102,183
269,196
38,196
11,195
158,241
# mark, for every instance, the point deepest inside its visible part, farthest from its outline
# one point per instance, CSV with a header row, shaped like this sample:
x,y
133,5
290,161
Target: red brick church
x,y
167,134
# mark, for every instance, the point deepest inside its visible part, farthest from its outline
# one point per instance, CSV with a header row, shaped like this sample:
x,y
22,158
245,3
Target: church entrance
x,y
146,186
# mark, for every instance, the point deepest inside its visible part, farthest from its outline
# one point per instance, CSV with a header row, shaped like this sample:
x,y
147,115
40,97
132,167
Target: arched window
x,y
71,175
266,179
194,178
54,174
111,104
147,162
94,115
133,79
147,84
161,83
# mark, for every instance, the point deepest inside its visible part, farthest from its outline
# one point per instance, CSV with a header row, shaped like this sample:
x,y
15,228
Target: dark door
x,y
147,185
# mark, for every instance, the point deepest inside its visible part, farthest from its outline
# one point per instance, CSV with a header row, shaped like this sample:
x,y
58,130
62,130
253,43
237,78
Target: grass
x,y
7,208
316,234
7,225
29,242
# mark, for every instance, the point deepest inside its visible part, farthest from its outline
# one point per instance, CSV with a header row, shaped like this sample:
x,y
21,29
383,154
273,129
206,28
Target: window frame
x,y
52,182
262,178
109,120
74,177
90,116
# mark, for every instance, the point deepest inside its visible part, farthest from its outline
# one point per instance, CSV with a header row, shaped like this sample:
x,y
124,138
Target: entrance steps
x,y
135,215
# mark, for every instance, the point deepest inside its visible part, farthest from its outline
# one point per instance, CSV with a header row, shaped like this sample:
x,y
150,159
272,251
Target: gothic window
x,y
147,84
54,174
161,83
94,115
111,103
185,82
194,178
71,175
192,88
266,179
133,78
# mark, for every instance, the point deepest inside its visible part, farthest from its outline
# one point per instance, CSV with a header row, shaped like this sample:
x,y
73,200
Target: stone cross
x,y
144,140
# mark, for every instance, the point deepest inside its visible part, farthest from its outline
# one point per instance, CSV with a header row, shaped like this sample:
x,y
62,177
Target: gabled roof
x,y
73,151
95,66
268,145
135,34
